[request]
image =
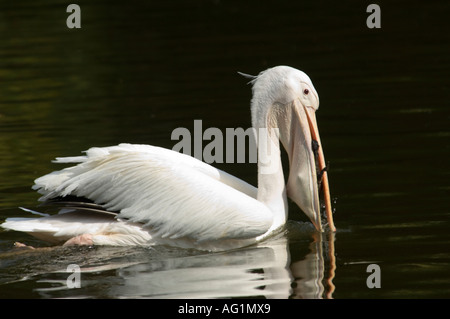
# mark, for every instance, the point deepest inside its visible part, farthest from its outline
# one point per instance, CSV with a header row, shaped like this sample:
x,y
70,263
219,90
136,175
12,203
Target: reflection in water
x,y
254,271
265,270
312,279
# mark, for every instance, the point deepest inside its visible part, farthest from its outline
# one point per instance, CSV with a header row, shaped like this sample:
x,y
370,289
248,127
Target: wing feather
x,y
173,194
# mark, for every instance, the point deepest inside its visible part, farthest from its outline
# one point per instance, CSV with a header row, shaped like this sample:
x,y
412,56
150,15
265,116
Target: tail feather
x,y
59,228
35,227
72,222
28,225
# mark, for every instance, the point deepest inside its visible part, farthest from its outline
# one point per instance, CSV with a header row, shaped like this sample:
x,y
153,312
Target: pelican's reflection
x,y
292,264
265,270
313,275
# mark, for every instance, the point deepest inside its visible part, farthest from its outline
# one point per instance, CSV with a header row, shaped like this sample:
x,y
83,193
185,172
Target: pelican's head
x,y
285,98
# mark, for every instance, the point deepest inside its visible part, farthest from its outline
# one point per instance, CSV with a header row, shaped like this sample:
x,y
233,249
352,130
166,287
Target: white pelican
x,y
147,195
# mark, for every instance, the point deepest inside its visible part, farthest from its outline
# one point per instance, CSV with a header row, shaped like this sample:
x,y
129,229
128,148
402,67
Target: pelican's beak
x,y
306,163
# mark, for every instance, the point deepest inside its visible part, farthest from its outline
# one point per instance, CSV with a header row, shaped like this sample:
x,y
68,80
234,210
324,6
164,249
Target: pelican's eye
x,y
305,91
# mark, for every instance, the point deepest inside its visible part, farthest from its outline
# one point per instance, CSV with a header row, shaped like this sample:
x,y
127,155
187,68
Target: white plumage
x,y
164,197
154,186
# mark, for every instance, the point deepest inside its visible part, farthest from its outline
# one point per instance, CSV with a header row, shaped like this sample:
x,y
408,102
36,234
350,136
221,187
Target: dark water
x,y
136,71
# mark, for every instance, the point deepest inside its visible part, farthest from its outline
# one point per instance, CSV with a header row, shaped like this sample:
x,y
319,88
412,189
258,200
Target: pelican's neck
x,y
265,120
271,184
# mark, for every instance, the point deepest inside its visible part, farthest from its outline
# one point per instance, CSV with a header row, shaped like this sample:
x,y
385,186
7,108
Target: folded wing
x,y
172,194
